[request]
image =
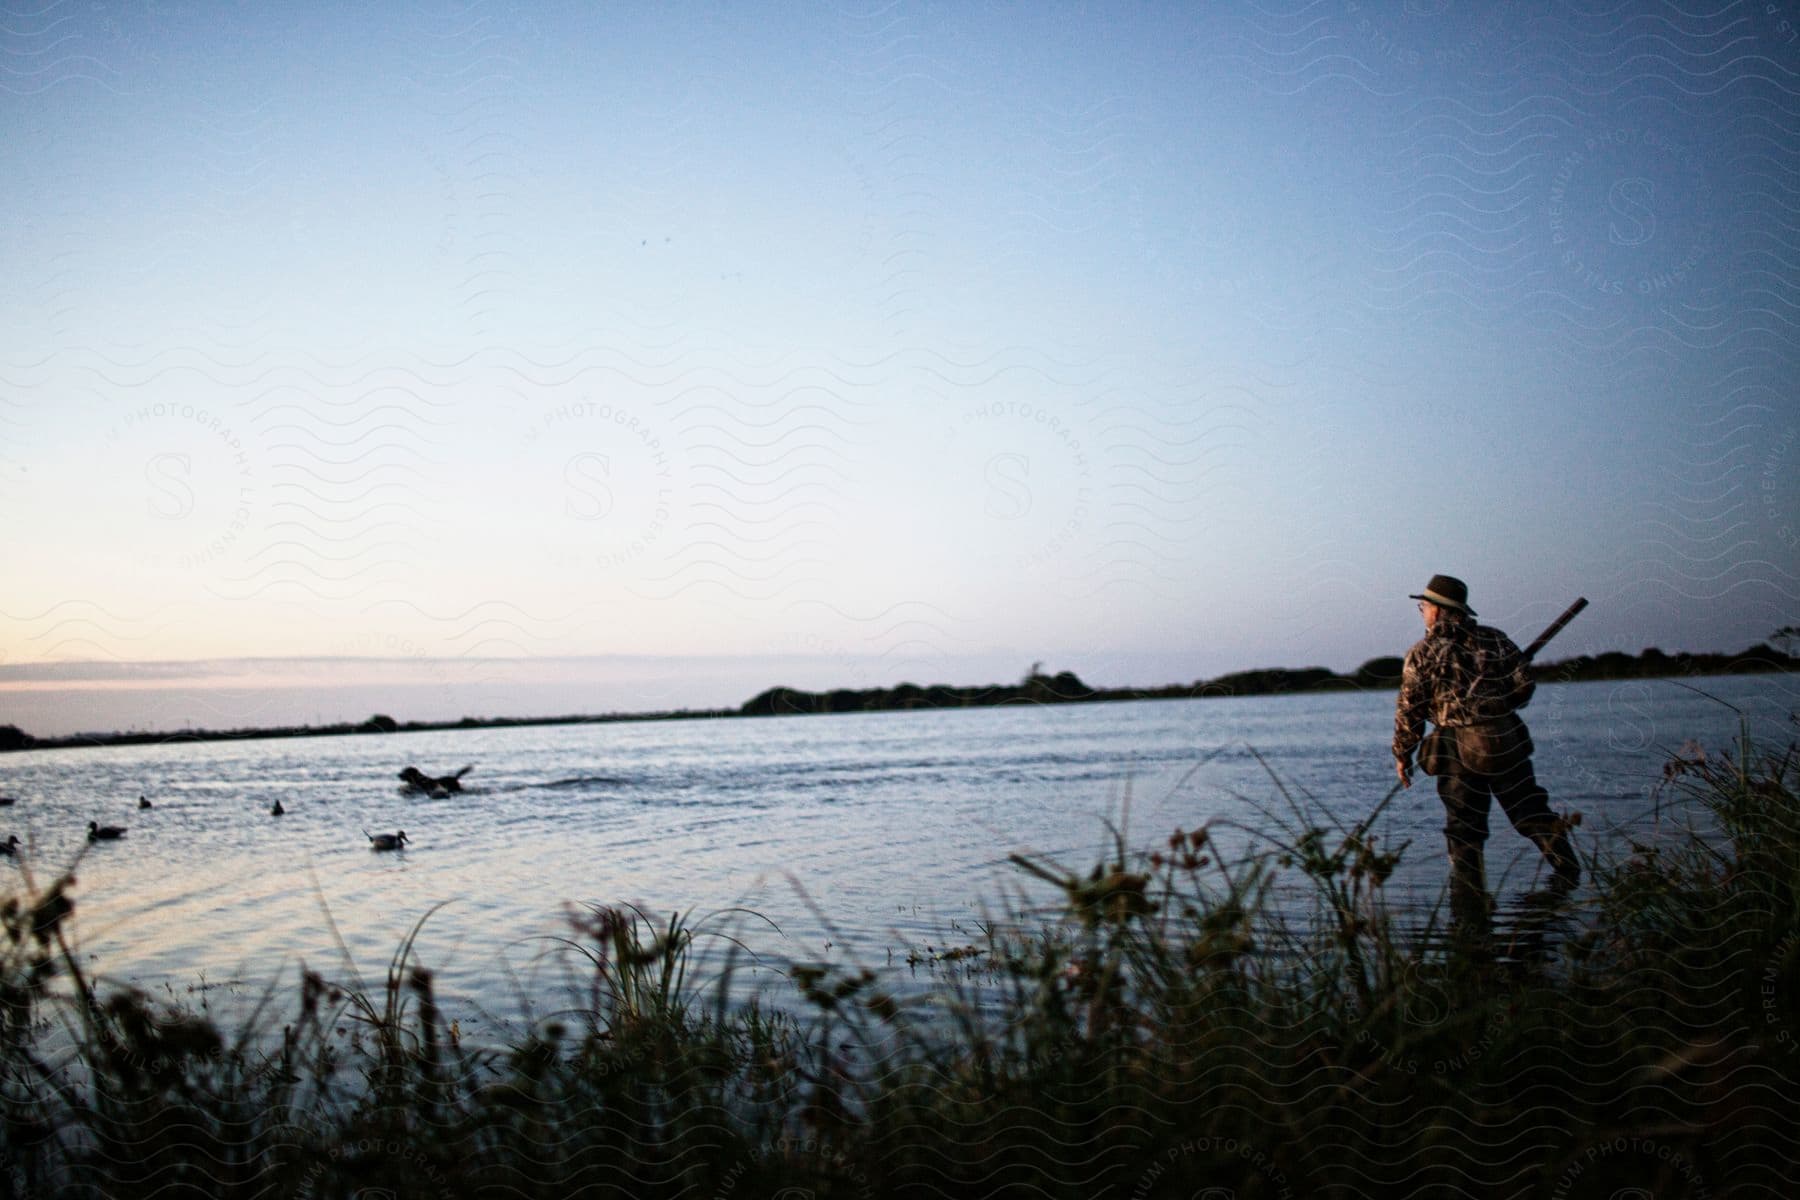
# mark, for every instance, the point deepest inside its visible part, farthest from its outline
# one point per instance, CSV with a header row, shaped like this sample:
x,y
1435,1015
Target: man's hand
x,y
1404,772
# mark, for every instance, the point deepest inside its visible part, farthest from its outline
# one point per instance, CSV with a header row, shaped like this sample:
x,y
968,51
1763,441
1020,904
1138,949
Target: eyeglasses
x,y
1425,604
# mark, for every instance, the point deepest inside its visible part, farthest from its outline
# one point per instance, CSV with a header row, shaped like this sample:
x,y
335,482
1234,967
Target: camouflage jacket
x,y
1459,674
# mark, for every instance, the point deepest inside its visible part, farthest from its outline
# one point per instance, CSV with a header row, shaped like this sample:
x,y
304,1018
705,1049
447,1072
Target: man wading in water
x,y
1468,679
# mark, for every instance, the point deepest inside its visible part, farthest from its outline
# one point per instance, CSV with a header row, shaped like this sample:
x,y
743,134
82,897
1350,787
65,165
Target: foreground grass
x,y
1162,1035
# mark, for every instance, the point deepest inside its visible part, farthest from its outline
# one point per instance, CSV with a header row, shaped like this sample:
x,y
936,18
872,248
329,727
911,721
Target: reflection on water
x,y
1530,929
1527,930
852,836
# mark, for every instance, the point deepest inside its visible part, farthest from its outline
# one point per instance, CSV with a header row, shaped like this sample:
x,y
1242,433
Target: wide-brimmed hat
x,y
1447,591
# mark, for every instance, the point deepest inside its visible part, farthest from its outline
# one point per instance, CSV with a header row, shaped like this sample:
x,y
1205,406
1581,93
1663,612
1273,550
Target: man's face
x,y
1429,611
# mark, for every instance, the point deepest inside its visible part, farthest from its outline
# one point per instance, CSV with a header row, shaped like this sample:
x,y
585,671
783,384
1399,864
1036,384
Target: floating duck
x,y
9,846
8,800
104,833
144,802
276,810
386,841
418,781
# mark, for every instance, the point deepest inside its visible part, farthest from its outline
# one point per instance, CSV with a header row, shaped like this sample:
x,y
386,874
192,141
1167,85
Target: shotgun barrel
x,y
1556,627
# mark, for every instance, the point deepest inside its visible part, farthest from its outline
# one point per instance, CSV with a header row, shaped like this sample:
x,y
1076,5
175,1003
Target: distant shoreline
x,y
1377,674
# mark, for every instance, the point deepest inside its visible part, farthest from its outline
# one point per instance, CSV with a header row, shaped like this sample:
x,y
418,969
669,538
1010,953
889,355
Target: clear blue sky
x,y
859,343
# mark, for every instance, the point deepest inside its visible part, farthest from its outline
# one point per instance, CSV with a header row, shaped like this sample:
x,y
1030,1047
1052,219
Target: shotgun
x,y
1556,627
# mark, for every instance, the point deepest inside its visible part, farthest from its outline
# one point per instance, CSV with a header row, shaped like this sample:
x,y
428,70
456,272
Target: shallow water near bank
x,y
867,838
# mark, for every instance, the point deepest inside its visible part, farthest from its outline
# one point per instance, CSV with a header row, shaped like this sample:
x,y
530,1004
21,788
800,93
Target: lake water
x,y
853,835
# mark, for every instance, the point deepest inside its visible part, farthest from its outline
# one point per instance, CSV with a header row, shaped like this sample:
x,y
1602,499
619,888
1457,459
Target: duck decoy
x,y
7,801
144,802
276,810
386,841
104,833
10,846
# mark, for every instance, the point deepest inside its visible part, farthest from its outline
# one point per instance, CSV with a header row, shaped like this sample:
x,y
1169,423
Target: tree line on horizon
x,y
1036,687
1382,673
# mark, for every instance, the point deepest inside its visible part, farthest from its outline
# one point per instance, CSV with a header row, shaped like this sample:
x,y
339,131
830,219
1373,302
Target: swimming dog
x,y
418,781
